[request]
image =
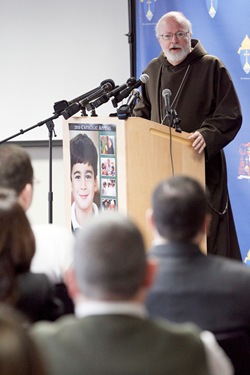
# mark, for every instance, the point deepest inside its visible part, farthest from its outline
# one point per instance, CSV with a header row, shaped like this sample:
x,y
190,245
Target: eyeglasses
x,y
179,35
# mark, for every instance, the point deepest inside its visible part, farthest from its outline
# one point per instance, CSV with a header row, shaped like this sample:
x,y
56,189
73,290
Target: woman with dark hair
x,y
30,293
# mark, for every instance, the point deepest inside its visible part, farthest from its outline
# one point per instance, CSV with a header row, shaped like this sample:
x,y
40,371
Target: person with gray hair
x,y
111,333
201,92
102,270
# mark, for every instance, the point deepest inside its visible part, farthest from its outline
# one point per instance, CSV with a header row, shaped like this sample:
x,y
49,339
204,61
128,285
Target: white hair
x,y
178,16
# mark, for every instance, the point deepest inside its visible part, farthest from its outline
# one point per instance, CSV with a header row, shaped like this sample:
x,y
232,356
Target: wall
x,y
53,50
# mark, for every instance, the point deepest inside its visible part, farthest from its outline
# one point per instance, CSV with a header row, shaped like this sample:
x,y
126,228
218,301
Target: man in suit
x,y
111,333
210,291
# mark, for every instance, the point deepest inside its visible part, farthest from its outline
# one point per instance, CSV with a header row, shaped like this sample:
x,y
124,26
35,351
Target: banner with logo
x,y
223,28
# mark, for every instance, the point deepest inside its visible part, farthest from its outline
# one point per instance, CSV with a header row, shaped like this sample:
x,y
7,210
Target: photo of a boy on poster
x,y
84,182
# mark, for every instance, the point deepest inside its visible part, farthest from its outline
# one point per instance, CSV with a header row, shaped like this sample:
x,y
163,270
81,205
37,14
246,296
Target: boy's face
x,y
84,185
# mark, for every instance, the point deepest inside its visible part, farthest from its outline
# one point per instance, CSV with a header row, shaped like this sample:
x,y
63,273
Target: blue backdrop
x,y
223,28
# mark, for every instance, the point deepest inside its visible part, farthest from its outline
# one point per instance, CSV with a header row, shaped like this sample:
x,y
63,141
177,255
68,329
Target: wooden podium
x,y
146,153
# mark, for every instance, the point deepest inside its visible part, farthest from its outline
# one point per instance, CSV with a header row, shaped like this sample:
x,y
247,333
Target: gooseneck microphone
x,y
166,93
123,94
171,114
132,99
126,110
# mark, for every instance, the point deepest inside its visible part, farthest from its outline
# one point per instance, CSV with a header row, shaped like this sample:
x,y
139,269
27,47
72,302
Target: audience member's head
x,y
18,353
17,243
16,172
110,259
179,208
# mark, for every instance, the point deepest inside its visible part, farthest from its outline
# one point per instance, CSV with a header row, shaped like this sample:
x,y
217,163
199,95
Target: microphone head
x,y
144,78
107,87
110,81
131,81
166,92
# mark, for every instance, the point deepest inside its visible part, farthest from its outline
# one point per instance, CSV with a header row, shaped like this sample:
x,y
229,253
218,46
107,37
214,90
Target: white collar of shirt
x,y
83,309
74,222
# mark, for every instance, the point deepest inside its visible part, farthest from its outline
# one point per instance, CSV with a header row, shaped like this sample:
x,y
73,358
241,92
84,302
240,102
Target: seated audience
x,y
111,333
209,291
30,293
16,173
18,353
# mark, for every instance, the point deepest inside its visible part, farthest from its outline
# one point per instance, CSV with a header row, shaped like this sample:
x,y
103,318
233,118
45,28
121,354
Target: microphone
x,y
132,99
73,108
63,104
126,110
124,93
171,115
130,82
105,98
166,93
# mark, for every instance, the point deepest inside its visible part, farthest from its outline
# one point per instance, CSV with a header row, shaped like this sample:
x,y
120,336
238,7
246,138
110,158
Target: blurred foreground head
x,y
17,243
179,208
110,258
16,172
18,353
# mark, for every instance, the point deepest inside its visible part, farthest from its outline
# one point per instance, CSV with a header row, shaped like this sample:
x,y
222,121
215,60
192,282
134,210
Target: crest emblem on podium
x,y
247,259
244,166
212,6
244,52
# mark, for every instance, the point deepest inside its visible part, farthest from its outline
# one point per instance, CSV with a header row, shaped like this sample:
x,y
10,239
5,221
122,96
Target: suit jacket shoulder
x,y
135,345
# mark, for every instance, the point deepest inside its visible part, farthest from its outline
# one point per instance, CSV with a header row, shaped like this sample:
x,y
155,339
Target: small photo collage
x,y
108,172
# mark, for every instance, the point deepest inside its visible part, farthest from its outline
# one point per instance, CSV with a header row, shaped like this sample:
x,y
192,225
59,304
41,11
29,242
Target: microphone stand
x,y
126,110
173,120
83,112
176,121
50,125
51,128
123,112
62,107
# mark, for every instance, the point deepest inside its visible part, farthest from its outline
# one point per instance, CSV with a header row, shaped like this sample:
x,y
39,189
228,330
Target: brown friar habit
x,y
204,97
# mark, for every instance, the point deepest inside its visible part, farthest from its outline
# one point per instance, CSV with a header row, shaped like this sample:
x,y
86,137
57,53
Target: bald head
x,y
110,258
